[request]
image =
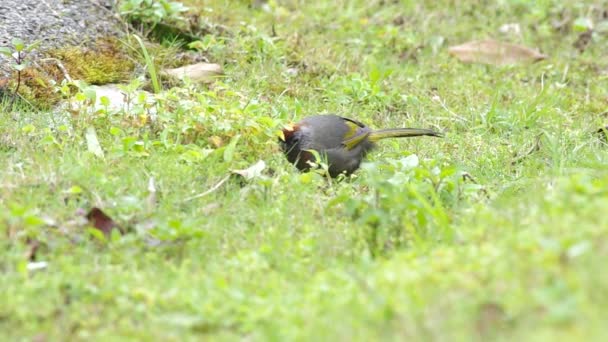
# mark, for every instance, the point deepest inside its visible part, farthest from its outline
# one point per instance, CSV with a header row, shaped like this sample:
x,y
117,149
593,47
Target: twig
x,y
535,148
57,62
214,188
467,176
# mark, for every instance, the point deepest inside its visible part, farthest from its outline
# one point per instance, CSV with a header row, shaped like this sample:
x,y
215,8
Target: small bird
x,y
343,142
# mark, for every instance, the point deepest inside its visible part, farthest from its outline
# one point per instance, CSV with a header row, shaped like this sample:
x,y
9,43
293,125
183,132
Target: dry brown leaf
x,y
216,141
494,52
101,221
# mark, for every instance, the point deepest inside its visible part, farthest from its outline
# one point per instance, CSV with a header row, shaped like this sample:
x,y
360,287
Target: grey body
x,y
325,134
341,141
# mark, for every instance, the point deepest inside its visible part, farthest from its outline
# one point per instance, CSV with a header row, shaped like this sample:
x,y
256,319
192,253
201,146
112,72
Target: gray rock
x,y
56,23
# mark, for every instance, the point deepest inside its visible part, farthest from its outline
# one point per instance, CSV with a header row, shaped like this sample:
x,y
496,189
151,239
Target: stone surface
x,y
56,23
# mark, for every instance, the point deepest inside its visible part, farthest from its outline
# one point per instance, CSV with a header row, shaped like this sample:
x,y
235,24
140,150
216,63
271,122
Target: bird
x,y
342,141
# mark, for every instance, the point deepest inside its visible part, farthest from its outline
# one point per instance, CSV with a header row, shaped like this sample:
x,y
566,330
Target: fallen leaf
x,y
199,72
494,52
215,141
253,171
101,221
92,143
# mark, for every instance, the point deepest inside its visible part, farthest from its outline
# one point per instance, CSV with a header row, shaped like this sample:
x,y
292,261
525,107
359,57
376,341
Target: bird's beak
x,y
288,128
281,135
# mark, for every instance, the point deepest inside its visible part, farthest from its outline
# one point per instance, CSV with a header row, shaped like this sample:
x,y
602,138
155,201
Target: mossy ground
x,y
105,61
497,232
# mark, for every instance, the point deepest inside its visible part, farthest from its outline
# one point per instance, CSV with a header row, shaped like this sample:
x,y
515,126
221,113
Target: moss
x,y
36,88
104,63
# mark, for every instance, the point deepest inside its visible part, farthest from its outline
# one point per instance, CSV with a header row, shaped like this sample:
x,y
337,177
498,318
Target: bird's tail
x,y
401,133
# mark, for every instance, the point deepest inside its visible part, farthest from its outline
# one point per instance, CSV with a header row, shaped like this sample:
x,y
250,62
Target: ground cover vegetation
x,y
495,231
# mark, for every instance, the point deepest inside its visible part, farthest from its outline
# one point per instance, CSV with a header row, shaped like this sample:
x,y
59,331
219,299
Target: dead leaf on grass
x,y
98,219
253,171
199,72
494,52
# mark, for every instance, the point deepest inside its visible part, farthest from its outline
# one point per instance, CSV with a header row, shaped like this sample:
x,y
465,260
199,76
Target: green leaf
x,y
90,94
105,101
6,51
28,128
97,234
19,67
18,44
229,151
33,46
582,24
80,97
33,221
75,189
149,65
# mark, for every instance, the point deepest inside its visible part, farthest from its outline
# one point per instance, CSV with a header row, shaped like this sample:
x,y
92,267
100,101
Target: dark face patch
x,y
292,148
292,138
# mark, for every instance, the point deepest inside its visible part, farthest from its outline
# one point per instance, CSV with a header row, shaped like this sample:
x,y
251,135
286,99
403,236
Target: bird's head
x,y
289,138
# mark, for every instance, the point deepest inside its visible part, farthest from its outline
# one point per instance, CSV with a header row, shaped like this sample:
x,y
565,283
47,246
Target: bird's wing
x,y
356,134
352,121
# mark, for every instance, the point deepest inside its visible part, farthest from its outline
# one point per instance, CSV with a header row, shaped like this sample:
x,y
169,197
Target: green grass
x,y
404,250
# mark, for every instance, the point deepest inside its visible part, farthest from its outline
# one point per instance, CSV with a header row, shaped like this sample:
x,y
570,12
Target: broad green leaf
x,y
90,94
6,51
18,44
105,101
97,234
33,46
19,67
229,151
582,24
